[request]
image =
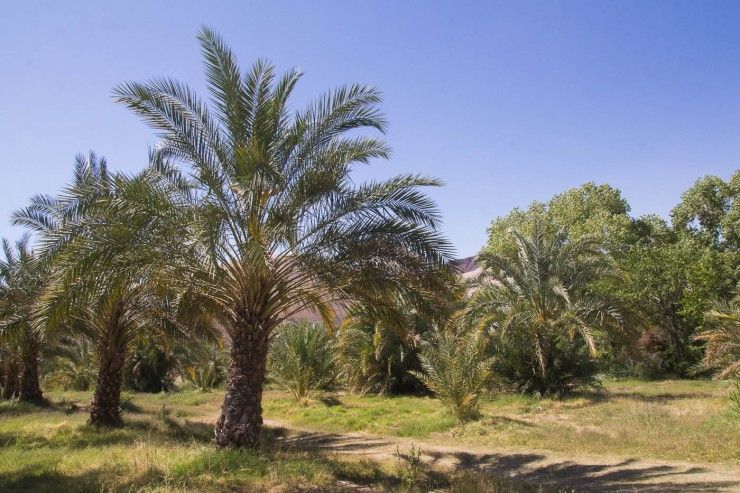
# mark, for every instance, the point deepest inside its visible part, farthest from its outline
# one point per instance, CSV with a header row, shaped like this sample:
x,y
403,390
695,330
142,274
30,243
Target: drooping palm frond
x,y
722,339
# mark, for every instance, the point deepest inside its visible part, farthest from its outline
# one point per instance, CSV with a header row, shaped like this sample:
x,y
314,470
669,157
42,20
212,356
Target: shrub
x,y
150,367
571,368
457,370
73,366
302,358
204,364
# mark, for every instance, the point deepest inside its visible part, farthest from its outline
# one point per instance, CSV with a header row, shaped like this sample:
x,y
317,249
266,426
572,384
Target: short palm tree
x,y
21,282
722,338
302,358
541,295
104,283
457,369
277,223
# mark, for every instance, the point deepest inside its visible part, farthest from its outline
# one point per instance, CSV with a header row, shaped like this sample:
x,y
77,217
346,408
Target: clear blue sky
x,y
507,102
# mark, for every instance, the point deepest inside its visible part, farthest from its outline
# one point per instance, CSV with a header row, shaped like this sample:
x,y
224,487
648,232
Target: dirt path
x,y
576,472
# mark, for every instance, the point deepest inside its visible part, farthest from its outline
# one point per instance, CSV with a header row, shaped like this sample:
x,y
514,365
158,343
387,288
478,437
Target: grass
x,y
165,445
166,442
672,420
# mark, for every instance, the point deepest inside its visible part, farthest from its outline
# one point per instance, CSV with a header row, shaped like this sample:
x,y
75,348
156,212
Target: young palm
x,y
21,282
278,224
106,280
722,338
457,370
541,295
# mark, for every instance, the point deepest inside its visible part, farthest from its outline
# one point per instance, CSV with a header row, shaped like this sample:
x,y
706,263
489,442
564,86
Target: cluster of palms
x,y
245,215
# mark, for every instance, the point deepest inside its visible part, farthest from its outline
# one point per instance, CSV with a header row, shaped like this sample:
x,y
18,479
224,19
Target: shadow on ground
x,y
535,470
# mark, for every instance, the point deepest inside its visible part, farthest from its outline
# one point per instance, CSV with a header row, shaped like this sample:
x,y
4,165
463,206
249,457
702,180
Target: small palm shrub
x,y
359,369
204,364
572,369
457,370
722,338
302,359
72,365
150,367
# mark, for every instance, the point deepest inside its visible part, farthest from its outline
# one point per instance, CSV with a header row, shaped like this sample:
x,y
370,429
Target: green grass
x,y
673,420
166,442
165,445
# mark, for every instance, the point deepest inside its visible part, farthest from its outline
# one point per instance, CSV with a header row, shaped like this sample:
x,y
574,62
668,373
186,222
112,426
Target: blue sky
x,y
507,102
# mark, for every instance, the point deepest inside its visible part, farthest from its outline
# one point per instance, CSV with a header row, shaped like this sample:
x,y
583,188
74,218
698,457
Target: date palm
x,y
722,338
278,224
21,282
105,282
541,295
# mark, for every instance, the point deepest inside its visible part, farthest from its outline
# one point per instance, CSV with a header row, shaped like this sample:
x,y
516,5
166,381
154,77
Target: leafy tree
x,y
302,358
21,282
456,368
541,297
672,279
597,211
710,211
276,223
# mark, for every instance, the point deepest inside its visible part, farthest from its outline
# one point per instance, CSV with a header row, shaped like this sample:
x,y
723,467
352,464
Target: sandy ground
x,y
572,471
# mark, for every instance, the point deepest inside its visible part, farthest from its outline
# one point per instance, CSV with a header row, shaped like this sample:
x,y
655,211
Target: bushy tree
x,y
276,222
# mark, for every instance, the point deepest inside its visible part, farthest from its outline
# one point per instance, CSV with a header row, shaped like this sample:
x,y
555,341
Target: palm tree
x,y
105,284
21,282
277,222
541,296
722,339
457,369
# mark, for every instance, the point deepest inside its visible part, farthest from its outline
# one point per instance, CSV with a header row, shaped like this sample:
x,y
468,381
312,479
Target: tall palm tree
x,y
278,224
541,295
106,281
21,282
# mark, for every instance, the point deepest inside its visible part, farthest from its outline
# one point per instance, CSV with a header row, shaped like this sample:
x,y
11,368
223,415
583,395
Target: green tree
x,y
277,223
540,297
710,211
597,211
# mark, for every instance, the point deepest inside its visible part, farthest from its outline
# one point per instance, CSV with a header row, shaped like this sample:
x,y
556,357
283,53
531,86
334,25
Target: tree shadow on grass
x,y
628,475
525,470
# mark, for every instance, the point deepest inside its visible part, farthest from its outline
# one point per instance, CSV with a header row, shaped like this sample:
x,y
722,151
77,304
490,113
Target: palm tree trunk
x,y
106,405
240,423
30,388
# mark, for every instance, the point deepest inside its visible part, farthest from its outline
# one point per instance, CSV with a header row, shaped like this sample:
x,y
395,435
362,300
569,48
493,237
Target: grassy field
x,y
673,420
165,444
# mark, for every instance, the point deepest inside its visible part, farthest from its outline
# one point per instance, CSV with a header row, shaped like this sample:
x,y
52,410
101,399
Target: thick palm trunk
x,y
240,423
106,405
30,388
